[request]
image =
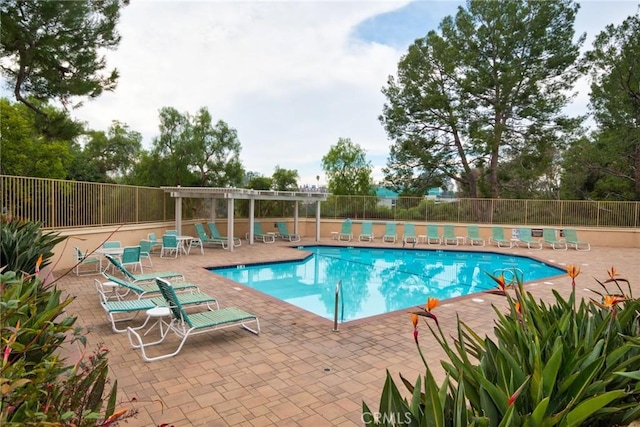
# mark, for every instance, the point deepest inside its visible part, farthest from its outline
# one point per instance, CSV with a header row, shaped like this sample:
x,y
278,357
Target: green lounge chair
x,y
571,238
284,232
215,234
473,235
525,236
141,278
433,235
390,233
143,290
260,235
185,324
133,307
409,235
449,235
206,240
346,232
549,238
497,237
366,234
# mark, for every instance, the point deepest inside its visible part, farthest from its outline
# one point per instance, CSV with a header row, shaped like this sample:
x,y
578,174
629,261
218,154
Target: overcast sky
x,y
290,76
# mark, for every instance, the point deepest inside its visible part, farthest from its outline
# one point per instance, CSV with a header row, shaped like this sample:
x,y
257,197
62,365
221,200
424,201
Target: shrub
x,y
36,385
22,243
554,364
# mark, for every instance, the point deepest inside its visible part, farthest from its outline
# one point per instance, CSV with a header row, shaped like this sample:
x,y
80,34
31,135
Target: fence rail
x,y
68,204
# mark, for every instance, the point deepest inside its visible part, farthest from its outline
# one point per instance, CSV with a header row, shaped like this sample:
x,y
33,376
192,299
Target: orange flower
x,y
431,303
518,307
114,417
38,263
573,271
609,301
414,320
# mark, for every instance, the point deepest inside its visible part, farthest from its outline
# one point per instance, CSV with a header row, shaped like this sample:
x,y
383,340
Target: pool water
x,y
379,280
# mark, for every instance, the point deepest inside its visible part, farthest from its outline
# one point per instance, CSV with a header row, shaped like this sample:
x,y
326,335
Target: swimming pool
x,y
379,280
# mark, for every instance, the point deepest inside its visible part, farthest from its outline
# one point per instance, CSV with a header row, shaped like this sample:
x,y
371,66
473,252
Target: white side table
x,y
157,313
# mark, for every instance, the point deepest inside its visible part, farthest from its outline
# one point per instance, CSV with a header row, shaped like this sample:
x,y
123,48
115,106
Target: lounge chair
x,y
571,238
143,290
131,257
473,235
284,232
449,235
346,232
141,278
409,235
184,324
549,238
390,234
215,234
86,264
206,240
133,307
526,237
432,236
114,309
260,235
111,244
366,233
497,237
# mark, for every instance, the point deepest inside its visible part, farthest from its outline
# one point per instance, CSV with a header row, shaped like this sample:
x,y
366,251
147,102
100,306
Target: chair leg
x,y
141,345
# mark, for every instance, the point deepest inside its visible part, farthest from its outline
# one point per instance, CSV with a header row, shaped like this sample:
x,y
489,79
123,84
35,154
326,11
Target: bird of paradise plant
x,y
549,364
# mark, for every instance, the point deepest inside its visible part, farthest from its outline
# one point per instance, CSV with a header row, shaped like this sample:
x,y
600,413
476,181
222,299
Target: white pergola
x,y
231,194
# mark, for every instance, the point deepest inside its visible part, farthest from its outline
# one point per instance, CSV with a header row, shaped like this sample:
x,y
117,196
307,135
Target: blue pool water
x,y
379,280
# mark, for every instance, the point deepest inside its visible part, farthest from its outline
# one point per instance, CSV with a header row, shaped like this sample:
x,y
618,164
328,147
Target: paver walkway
x,y
297,372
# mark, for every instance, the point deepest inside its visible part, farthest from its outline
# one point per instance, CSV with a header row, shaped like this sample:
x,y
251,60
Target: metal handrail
x,y
335,314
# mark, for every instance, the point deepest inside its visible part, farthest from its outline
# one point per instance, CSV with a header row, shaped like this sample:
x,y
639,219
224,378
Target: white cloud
x,y
288,75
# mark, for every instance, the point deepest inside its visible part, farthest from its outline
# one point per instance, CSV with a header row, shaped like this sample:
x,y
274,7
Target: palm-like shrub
x,y
549,364
22,243
36,385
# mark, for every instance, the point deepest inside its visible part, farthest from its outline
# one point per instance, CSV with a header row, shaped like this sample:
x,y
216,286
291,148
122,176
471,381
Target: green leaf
x,y
537,416
550,371
585,409
633,375
432,405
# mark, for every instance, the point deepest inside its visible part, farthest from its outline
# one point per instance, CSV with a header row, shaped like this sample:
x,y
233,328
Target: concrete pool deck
x,y
297,372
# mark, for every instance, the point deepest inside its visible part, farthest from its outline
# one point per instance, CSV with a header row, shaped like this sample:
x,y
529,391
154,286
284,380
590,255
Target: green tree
x,y
259,182
285,179
215,151
191,151
51,50
607,165
34,146
488,88
115,153
347,169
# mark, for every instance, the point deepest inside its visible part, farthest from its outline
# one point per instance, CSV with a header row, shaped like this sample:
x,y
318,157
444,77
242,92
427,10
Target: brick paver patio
x,y
297,372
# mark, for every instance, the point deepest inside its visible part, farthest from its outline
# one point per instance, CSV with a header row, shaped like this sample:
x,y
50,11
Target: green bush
x,y
549,365
36,384
22,243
